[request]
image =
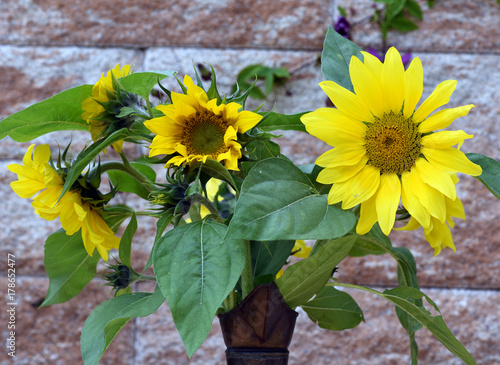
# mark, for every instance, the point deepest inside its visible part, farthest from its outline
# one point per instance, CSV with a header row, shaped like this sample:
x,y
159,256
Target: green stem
x,y
247,274
147,278
150,110
354,286
129,169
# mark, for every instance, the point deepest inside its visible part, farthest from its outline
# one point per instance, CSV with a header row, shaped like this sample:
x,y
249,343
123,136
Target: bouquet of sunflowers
x,y
231,208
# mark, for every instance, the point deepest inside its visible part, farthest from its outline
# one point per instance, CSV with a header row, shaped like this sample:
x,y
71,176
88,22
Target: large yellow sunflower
x,y
35,175
198,129
102,92
384,149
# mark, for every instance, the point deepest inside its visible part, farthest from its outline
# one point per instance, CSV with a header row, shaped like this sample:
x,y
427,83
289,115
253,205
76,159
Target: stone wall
x,y
51,45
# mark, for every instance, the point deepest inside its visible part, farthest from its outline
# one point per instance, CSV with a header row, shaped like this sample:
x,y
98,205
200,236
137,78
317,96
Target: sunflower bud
x,y
119,276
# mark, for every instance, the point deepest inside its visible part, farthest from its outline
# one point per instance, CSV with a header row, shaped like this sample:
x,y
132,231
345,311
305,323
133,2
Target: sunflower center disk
x,y
204,134
392,143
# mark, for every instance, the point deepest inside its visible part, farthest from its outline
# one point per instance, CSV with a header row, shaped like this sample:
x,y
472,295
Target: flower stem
x,y
129,169
247,274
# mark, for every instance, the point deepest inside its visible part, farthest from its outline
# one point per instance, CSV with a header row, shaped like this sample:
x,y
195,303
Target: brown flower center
x,y
204,134
393,143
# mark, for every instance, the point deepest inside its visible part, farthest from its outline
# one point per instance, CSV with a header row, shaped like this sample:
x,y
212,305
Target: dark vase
x,y
260,329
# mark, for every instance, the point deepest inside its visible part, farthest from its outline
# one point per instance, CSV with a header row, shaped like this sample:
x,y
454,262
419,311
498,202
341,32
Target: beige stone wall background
x,y
47,46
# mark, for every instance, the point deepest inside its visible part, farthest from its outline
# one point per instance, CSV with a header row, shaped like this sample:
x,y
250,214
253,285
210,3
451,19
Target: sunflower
x,y
385,150
36,176
198,129
93,108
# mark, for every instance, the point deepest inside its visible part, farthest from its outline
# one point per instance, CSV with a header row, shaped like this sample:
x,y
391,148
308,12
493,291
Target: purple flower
x,y
343,27
406,58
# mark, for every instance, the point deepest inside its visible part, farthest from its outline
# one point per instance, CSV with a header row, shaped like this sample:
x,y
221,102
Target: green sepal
x,y
68,266
336,57
87,155
196,270
125,249
108,318
334,310
305,278
60,112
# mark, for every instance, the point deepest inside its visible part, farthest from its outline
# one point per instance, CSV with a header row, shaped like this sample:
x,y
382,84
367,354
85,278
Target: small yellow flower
x,y
198,129
384,151
36,176
301,250
102,92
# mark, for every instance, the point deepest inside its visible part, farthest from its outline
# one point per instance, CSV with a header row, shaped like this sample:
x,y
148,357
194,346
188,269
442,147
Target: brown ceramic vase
x,y
260,329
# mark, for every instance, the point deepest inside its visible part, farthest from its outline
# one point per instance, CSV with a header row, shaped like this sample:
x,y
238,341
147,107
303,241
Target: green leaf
x,y
196,270
402,24
68,266
414,9
108,318
126,183
305,278
490,177
393,9
334,310
87,155
217,170
125,248
277,202
403,298
261,148
141,83
375,242
276,121
60,112
269,257
336,56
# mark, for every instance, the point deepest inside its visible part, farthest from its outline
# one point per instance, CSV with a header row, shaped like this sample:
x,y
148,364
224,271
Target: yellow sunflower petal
x,y
346,101
345,154
246,120
367,216
431,199
411,226
443,118
439,97
334,127
340,173
412,202
393,81
362,186
336,193
373,64
367,86
438,179
444,139
454,208
387,201
451,160
414,85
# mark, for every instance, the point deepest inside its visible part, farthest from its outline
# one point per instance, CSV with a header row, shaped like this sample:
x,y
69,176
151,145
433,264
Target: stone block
x,y
288,24
449,26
